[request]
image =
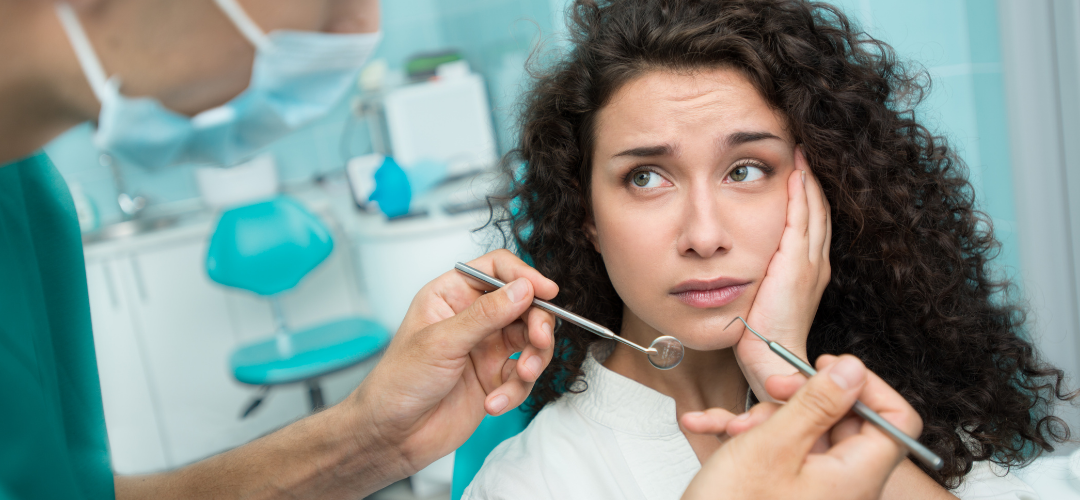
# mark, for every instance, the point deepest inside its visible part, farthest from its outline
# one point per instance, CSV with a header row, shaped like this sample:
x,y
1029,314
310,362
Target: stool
x,y
267,248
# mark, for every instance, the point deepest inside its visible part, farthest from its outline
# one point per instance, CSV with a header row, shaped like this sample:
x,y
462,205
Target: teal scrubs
x,y
52,425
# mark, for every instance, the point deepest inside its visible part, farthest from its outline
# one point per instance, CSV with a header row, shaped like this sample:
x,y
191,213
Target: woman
x,y
677,167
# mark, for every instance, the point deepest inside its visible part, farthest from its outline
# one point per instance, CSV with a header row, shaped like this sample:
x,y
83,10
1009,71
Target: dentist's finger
x,y
520,334
454,292
711,421
876,391
880,397
883,399
537,354
487,315
541,328
821,403
510,394
760,414
783,387
755,416
515,336
505,266
850,426
858,442
530,337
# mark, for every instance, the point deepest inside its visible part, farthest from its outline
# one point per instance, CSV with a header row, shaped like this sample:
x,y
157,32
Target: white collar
x,y
622,404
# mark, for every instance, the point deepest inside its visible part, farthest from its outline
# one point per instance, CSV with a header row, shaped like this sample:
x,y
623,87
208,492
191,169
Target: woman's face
x,y
689,199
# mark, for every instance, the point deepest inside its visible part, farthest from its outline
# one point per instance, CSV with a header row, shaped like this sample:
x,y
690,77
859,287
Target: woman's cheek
x,y
633,250
764,228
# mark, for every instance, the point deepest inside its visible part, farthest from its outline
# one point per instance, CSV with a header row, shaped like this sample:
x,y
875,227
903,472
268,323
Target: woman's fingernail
x,y
743,416
533,365
847,373
517,290
802,173
498,403
694,414
546,327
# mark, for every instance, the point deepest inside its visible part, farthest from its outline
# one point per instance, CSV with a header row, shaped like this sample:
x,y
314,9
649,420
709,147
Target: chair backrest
x,y
267,247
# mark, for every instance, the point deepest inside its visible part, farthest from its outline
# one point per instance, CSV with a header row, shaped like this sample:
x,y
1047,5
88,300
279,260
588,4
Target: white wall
x,y
1040,60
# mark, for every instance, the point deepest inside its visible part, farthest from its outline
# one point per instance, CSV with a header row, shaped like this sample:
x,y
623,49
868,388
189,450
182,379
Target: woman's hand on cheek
x,y
788,297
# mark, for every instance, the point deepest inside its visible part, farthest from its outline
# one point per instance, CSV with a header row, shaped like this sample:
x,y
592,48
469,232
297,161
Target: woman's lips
x,y
708,294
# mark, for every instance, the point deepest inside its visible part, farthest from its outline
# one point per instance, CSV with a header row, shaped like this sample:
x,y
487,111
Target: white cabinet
x,y
185,323
134,431
164,333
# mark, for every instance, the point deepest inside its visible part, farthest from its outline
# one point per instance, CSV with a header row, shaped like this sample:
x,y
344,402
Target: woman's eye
x,y
746,173
646,179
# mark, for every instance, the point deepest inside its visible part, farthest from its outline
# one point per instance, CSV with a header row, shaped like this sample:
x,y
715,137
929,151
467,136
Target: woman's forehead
x,y
670,105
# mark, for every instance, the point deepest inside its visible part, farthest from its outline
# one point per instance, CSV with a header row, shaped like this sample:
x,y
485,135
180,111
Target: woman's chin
x,y
700,332
704,333
707,341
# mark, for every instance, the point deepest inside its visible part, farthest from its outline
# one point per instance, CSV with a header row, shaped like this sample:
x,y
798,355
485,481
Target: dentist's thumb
x,y
818,406
489,313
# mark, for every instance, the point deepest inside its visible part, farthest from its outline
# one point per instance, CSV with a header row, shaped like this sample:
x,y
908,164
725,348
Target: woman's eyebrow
x,y
742,137
728,141
647,151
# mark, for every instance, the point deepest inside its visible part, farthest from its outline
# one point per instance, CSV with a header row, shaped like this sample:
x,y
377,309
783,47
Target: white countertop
x,y
333,201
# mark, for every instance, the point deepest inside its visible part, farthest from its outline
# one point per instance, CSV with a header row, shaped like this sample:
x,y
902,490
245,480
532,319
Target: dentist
x,y
175,81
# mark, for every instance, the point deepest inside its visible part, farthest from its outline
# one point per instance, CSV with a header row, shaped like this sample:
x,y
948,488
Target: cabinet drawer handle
x,y
139,284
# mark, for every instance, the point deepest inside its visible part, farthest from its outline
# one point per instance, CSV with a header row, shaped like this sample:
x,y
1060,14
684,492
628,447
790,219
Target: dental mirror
x,y
665,352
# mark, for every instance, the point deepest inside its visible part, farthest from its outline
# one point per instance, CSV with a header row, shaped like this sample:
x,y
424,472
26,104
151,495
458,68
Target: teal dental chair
x,y
267,248
491,432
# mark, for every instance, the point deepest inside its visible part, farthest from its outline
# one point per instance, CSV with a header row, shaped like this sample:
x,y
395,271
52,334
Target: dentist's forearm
x,y
333,455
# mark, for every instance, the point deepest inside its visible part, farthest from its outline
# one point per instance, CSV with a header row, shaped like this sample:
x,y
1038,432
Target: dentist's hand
x,y
811,448
448,365
789,295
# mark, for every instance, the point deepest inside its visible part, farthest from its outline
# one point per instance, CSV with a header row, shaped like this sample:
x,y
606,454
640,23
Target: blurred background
x,y
383,194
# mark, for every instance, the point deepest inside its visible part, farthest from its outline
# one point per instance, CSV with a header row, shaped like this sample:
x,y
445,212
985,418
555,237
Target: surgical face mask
x,y
297,77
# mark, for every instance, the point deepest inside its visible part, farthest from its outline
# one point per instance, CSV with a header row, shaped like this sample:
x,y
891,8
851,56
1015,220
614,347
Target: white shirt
x,y
621,439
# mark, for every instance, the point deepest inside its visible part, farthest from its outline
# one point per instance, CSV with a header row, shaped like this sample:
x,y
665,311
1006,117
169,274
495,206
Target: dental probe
x,y
916,448
665,352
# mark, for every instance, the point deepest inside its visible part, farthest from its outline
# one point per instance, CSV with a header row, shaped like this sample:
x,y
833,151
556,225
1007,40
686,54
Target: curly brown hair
x,y
913,293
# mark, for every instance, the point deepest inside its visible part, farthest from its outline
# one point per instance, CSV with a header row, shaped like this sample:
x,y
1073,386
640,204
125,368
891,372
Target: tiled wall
x,y
956,40
495,36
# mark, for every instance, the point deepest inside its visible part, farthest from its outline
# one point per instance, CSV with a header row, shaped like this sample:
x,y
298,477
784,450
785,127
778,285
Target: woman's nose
x,y
703,232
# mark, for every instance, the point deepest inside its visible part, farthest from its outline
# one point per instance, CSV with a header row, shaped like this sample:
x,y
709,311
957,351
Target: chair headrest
x,y
267,247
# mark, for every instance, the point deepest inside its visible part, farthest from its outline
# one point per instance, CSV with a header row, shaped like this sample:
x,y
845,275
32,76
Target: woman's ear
x,y
590,232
